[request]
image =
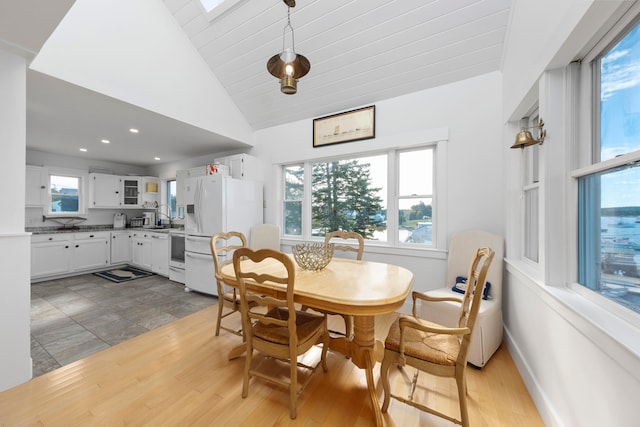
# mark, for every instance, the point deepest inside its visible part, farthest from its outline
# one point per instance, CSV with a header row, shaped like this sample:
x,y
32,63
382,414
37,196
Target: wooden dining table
x,y
362,289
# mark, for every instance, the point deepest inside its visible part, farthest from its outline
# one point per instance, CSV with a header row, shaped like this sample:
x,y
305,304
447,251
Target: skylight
x,y
209,5
214,8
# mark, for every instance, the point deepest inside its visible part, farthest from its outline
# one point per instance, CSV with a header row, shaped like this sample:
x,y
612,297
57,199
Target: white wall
x,y
15,366
577,373
136,52
468,111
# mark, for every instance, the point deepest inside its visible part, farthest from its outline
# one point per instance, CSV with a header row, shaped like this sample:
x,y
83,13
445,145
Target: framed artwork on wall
x,y
353,125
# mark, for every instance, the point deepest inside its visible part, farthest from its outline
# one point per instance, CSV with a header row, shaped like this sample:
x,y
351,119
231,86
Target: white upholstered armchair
x,y
488,328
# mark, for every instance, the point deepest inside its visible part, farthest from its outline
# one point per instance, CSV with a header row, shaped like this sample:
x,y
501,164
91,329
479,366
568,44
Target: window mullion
x,y
392,197
306,204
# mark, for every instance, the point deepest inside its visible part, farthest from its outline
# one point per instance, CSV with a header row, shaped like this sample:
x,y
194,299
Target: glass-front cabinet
x,y
131,191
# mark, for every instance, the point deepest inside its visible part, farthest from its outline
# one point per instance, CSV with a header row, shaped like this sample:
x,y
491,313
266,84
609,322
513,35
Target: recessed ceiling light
x,y
84,150
156,158
105,141
133,130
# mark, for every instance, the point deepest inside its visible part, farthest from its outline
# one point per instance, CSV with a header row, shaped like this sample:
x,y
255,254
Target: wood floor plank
x,y
179,374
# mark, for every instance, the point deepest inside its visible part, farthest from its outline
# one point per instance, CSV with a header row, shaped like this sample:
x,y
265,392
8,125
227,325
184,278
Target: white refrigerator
x,y
215,203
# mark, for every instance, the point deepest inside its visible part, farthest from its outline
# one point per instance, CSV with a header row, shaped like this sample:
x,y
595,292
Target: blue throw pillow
x,y
461,285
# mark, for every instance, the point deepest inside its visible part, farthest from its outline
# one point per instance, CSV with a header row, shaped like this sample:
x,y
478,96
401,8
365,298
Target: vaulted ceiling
x,y
361,52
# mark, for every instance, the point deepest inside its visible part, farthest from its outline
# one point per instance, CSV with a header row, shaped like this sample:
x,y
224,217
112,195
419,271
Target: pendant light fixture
x,y
287,65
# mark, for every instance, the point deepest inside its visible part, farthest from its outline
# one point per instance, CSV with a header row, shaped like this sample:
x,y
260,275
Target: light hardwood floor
x,y
179,375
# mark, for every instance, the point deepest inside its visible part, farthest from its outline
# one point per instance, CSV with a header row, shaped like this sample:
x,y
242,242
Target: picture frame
x,y
354,125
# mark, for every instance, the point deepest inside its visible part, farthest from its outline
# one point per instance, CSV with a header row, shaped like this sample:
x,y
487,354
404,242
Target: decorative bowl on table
x,y
313,256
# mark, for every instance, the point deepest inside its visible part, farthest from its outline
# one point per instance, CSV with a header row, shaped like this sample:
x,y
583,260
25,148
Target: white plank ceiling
x,y
361,52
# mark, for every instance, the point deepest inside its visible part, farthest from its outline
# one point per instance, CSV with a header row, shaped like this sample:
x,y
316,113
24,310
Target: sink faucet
x,y
167,215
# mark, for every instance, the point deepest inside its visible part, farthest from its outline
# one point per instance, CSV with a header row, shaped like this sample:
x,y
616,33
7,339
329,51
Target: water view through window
x,y
609,201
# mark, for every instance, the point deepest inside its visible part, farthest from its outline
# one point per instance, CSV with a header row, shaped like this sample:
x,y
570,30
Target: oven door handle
x,y
196,255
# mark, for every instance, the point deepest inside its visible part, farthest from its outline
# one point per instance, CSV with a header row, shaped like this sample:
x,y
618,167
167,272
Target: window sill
x,y
611,334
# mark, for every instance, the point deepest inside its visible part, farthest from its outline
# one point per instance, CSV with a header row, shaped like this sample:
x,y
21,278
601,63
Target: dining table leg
x,y
363,354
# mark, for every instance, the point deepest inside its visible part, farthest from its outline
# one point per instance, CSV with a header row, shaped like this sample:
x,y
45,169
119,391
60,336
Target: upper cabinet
x,y
130,191
36,186
105,191
114,191
243,166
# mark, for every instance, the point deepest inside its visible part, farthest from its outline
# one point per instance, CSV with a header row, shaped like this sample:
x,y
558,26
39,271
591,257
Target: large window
x,y
64,194
415,196
387,197
609,191
350,195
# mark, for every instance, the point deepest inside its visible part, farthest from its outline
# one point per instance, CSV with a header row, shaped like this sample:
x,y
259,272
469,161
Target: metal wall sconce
x,y
287,65
525,139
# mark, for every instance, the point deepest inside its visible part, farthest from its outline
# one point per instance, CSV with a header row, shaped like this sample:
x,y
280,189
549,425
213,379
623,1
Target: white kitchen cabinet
x,y
36,186
51,254
91,250
120,247
243,166
150,251
115,191
131,193
104,191
62,254
141,254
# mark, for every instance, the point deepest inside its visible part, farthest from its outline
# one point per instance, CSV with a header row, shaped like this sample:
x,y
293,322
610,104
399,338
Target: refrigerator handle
x,y
200,209
196,207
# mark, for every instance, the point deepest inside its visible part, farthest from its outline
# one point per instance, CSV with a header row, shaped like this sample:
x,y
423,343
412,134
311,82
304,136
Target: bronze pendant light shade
x,y
288,82
288,66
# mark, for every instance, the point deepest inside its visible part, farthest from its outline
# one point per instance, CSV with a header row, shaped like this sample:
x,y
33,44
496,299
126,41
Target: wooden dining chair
x,y
436,349
272,325
346,242
222,247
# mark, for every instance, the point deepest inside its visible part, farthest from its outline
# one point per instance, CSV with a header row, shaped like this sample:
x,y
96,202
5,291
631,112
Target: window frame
x,y
397,196
167,183
284,200
82,191
586,150
531,185
439,191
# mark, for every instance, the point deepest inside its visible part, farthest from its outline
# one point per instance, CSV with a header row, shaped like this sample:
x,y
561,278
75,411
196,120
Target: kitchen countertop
x,y
88,228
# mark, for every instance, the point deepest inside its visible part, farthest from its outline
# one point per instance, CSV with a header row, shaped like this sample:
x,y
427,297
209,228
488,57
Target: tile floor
x,y
77,316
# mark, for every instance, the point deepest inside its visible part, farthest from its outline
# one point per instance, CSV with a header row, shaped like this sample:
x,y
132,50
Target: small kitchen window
x,y
65,194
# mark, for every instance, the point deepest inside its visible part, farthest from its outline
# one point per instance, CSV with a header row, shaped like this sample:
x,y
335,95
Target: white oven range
x,y
176,260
